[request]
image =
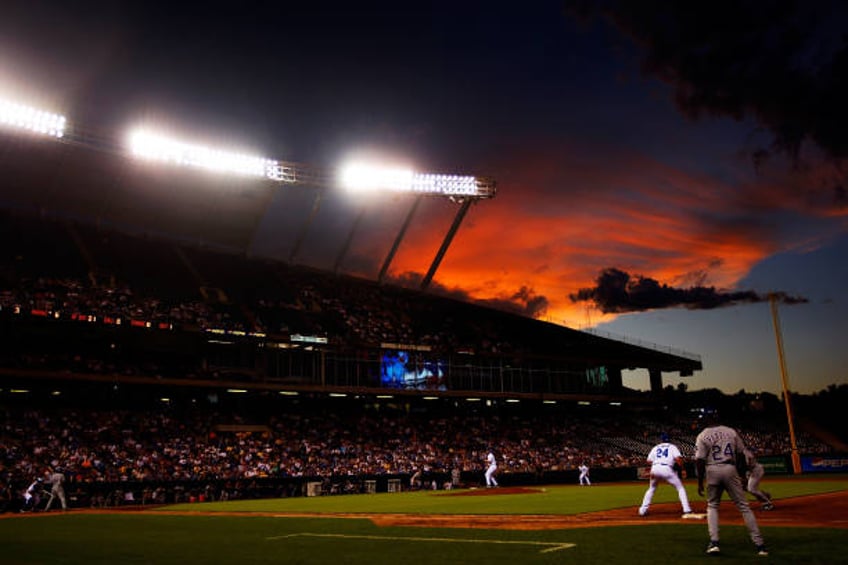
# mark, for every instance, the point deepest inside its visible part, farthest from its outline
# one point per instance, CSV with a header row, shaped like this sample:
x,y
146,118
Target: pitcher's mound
x,y
496,491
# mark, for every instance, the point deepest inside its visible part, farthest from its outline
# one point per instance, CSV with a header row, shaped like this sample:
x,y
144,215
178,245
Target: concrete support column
x,y
615,382
656,380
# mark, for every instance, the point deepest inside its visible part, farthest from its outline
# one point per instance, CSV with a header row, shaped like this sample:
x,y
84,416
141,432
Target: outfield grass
x,y
148,537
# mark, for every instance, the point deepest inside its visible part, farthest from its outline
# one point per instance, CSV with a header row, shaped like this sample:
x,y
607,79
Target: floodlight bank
x,y
32,119
159,148
450,185
362,178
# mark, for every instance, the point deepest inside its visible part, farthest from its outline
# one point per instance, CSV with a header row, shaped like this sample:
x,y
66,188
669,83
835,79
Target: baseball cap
x,y
664,436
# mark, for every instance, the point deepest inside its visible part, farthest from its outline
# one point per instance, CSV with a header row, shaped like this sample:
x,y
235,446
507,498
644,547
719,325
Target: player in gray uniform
x,y
755,475
57,489
718,452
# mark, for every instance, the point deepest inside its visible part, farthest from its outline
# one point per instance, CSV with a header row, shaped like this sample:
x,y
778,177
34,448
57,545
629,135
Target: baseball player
x,y
32,495
415,480
755,475
491,469
665,459
718,452
584,475
56,480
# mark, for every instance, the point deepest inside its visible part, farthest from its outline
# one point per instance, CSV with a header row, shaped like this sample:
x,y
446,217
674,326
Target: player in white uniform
x,y
584,474
719,451
665,458
32,495
491,469
755,475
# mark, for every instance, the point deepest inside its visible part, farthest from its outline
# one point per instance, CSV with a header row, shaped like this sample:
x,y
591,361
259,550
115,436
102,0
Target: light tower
x,y
462,189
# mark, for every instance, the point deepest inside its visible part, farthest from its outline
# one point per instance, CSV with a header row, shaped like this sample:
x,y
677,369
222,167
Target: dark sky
x,y
305,81
661,166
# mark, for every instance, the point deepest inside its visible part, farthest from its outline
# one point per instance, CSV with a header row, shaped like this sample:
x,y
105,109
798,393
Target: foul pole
x,y
796,458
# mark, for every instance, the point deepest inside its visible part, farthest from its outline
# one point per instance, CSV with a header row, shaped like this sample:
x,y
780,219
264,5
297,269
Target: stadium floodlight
x,y
156,147
448,185
365,177
20,116
362,177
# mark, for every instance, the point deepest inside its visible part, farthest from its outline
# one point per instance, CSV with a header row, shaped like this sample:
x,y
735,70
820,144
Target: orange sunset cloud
x,y
560,219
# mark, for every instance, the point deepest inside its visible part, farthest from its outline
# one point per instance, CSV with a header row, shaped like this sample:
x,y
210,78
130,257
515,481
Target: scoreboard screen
x,y
414,370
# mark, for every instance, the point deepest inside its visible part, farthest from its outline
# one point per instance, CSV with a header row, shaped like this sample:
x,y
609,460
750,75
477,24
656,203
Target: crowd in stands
x,y
73,299
347,316
110,445
345,313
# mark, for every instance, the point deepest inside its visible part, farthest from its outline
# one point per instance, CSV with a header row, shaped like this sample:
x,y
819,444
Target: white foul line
x,y
554,546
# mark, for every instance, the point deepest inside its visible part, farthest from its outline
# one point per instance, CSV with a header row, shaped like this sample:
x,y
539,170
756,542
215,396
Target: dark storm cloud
x,y
524,301
783,63
618,292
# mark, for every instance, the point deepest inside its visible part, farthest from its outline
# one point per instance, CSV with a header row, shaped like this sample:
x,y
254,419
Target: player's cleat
x,y
762,551
768,506
643,512
713,548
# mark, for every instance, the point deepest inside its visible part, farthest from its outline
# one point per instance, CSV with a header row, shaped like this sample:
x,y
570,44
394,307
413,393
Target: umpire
x,y
720,458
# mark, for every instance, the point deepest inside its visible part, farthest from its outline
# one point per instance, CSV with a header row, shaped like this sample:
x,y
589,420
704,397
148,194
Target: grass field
x,y
245,532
